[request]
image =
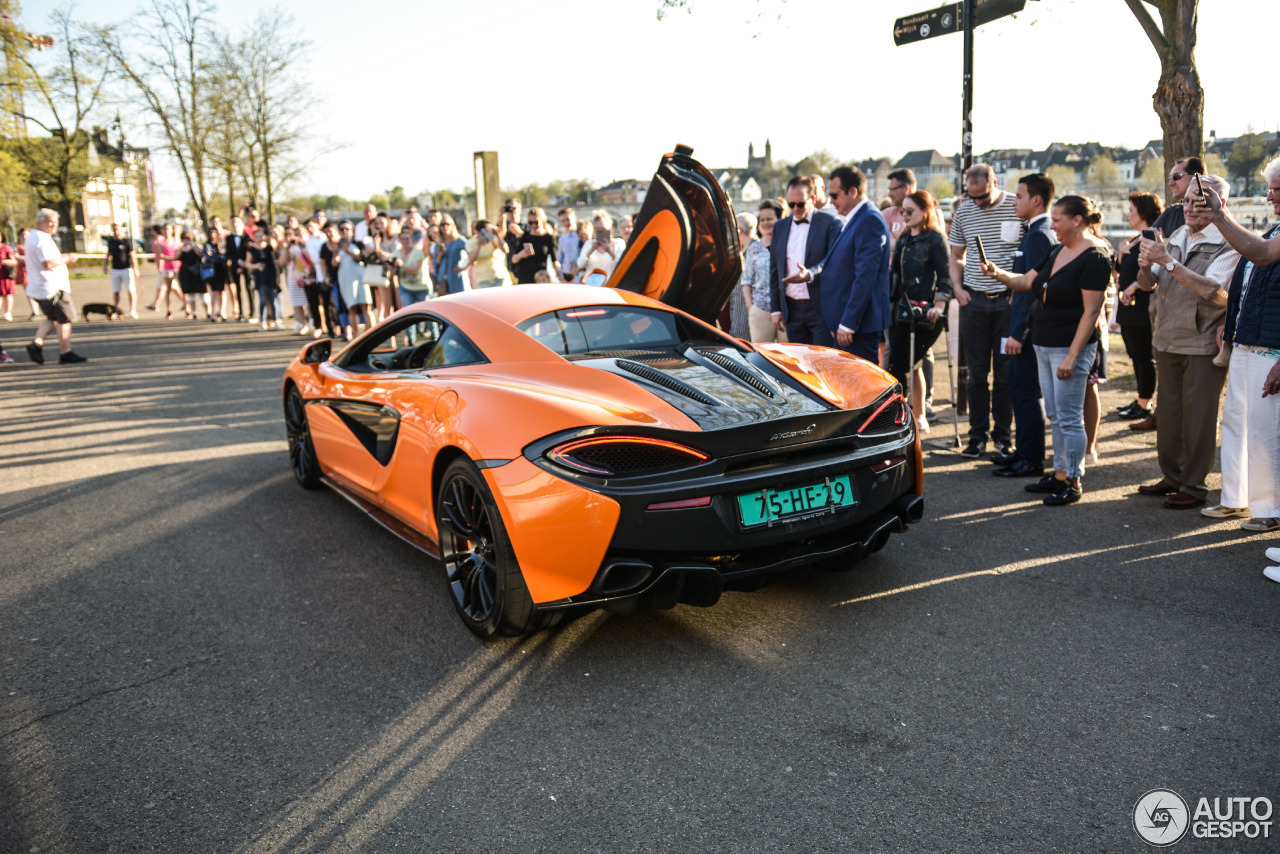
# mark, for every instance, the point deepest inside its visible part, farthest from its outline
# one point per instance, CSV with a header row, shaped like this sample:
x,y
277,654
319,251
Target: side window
x,y
397,348
452,349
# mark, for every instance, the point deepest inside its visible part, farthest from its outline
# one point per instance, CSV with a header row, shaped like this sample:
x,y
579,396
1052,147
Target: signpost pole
x,y
966,125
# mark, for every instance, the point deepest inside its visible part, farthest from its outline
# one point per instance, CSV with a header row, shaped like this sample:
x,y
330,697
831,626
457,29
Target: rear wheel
x,y
488,589
302,453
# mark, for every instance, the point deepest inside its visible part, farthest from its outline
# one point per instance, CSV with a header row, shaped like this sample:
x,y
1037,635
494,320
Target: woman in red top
x,y
165,250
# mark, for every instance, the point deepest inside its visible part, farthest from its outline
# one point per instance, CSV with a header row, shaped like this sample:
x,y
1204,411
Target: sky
x,y
600,90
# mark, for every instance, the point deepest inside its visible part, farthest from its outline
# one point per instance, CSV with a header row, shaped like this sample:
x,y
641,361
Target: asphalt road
x,y
200,656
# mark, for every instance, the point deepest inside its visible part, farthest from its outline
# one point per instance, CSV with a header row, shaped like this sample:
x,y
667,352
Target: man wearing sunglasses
x,y
800,241
1174,217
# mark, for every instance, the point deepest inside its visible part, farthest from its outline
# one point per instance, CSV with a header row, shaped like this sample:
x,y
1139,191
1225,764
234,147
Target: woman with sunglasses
x,y
920,278
537,246
1070,284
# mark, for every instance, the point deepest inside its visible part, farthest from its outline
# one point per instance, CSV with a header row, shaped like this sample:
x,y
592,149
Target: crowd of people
x,y
1026,282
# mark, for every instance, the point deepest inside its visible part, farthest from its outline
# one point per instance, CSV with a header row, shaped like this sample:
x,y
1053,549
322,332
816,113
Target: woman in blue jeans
x,y
1069,286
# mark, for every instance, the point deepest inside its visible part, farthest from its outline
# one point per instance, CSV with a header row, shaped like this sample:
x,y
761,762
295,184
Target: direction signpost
x,y
963,16
951,18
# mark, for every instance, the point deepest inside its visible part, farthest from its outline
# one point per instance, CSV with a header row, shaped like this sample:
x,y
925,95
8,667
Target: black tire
x,y
488,590
302,452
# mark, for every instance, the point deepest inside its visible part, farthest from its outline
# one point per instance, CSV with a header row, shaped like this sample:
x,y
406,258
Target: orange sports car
x,y
568,446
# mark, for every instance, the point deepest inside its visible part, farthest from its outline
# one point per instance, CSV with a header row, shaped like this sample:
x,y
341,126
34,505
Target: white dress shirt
x,y
797,240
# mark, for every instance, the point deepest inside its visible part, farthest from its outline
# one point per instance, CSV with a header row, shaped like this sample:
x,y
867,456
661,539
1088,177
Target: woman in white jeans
x,y
1070,285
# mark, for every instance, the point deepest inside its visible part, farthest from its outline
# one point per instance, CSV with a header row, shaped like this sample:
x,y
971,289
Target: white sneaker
x,y
8,316
133,315
1273,553
1272,572
262,327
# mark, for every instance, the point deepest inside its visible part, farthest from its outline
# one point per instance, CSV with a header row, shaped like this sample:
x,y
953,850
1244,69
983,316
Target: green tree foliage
x,y
1247,156
1064,178
1151,178
1103,175
819,162
941,188
63,95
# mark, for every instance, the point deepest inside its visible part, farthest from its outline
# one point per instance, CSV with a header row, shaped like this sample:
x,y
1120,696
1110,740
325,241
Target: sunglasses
x,y
1177,176
796,205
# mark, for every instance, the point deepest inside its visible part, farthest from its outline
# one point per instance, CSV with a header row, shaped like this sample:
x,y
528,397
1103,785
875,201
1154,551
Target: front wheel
x,y
302,453
488,589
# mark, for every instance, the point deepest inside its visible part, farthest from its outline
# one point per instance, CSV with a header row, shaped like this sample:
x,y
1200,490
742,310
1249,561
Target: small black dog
x,y
110,312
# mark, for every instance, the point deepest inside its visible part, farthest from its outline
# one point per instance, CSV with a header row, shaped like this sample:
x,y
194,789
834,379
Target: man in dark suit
x,y
800,240
854,300
237,247
1031,204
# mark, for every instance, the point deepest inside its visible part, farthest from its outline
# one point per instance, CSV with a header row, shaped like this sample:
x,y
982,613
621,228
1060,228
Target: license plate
x,y
766,506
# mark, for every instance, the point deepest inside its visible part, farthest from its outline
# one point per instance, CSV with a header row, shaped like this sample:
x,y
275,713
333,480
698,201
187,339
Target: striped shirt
x,y
968,223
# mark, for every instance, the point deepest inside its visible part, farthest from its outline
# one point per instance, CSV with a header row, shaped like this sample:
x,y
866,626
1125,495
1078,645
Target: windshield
x,y
601,328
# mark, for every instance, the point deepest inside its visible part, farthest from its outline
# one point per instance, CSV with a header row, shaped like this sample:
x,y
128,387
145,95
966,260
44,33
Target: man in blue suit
x,y
1031,204
855,273
800,240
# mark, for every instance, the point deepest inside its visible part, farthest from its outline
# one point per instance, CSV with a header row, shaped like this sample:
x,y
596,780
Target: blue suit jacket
x,y
1031,252
823,230
855,275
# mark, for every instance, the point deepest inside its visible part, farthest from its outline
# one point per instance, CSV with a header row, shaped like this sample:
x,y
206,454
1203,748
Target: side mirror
x,y
317,351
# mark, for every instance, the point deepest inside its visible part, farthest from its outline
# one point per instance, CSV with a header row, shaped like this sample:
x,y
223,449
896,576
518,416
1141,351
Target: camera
x,y
508,208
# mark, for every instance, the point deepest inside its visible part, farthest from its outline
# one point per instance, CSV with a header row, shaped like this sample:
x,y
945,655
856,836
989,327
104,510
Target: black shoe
x,y
1020,468
1002,449
1133,412
1004,460
36,353
1045,485
974,449
71,358
1064,493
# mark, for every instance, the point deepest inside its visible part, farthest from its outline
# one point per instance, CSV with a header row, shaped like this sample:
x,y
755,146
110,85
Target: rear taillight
x,y
891,416
623,456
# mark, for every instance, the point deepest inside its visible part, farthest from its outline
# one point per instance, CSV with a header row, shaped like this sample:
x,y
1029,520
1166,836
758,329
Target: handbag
x,y
374,275
911,313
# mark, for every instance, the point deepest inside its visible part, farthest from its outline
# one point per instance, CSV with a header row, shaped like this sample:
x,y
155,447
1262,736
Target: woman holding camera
x,y
486,256
1070,284
920,282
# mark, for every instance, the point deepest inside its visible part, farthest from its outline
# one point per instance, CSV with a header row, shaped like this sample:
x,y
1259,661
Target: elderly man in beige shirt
x,y
1189,273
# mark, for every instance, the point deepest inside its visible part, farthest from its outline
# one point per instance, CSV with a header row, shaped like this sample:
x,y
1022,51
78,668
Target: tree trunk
x,y
1179,101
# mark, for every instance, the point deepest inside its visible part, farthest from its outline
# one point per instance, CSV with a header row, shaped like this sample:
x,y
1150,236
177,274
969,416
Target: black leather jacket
x,y
921,264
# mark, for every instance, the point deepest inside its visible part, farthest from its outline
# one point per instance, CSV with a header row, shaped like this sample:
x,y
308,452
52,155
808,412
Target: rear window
x,y
601,328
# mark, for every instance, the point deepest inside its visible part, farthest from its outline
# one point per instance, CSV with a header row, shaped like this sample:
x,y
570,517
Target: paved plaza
x,y
198,655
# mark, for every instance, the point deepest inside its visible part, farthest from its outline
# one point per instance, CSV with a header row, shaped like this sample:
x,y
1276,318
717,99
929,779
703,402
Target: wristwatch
x,y
1170,267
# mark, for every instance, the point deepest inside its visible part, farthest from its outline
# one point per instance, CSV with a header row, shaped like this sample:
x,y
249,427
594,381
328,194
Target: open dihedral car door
x,y
684,250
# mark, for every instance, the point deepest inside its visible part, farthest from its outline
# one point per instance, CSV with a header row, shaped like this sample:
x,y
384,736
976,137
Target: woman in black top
x,y
1133,315
920,278
189,279
537,246
1070,284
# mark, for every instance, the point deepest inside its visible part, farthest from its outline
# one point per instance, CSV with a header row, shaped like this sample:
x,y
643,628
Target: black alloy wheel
x,y
302,453
488,589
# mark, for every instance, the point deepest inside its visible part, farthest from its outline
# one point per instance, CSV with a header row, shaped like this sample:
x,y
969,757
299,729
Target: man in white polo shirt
x,y
50,286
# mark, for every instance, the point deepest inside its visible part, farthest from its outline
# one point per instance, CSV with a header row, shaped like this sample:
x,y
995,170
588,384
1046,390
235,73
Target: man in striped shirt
x,y
986,213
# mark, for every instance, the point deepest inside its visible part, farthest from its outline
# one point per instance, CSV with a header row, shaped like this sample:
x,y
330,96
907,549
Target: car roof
x,y
488,316
520,302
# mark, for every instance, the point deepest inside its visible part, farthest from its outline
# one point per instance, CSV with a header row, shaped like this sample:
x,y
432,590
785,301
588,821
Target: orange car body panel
x,y
666,228
559,530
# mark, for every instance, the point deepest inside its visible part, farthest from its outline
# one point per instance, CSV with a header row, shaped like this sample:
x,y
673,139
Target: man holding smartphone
x,y
987,213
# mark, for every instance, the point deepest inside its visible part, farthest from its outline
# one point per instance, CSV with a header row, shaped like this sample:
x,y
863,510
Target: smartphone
x,y
982,252
1199,186
1149,234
